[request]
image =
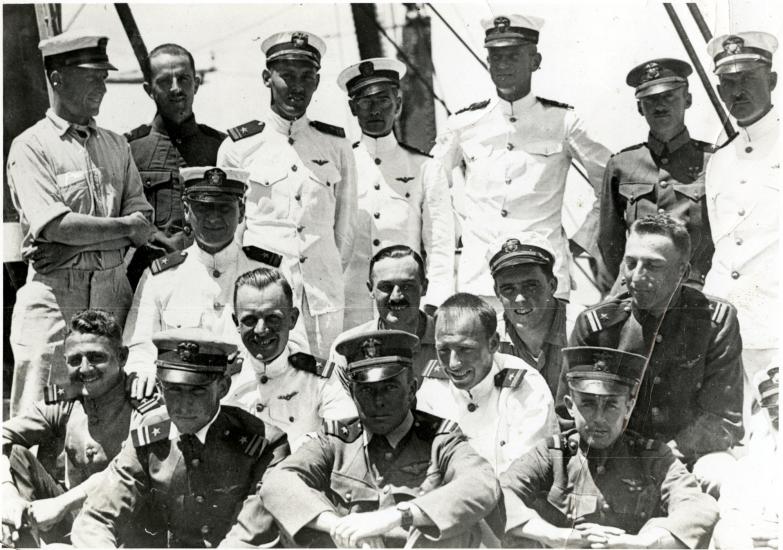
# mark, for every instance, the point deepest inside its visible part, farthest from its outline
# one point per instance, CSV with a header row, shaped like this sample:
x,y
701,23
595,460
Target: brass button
x,y
655,411
600,470
204,529
664,160
302,259
664,184
606,507
376,242
377,186
510,146
376,215
661,211
504,212
741,211
216,273
200,499
739,241
657,380
748,149
512,119
387,456
377,161
294,168
659,338
300,228
298,197
195,462
502,443
735,274
508,181
264,379
472,407
407,195
291,419
743,181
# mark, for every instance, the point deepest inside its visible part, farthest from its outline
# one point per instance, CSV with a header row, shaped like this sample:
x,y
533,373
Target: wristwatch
x,y
404,508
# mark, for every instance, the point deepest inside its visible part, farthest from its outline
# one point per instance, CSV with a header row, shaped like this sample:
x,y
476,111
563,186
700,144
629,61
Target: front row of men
x,y
385,468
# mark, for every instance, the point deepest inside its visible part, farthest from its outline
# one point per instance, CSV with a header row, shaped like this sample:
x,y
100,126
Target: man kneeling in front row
x,y
597,487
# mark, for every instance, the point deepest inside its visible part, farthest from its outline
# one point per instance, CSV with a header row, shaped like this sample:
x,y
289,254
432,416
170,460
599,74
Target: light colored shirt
x,y
53,171
743,184
517,156
505,422
293,400
403,198
201,434
198,293
394,436
300,203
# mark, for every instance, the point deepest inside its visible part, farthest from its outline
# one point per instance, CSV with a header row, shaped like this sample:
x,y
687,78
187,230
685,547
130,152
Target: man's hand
x,y
44,256
12,512
141,228
676,450
353,529
598,536
140,385
48,512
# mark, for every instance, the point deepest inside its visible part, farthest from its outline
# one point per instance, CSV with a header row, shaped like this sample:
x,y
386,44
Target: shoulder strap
x,y
245,130
553,103
474,106
347,430
138,133
151,433
211,132
327,128
509,378
168,261
414,150
313,365
434,370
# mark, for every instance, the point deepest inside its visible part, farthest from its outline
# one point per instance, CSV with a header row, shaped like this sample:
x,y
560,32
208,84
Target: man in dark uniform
x,y
388,477
596,486
194,463
691,395
87,419
397,283
172,140
664,174
535,321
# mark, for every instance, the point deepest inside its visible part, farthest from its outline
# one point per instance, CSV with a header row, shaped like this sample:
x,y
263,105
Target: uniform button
x,y
512,118
510,146
290,418
741,211
204,529
200,499
290,141
179,140
664,184
657,380
302,259
294,168
748,149
472,407
504,212
659,338
376,215
655,411
661,211
217,305
502,443
377,161
664,160
642,515
195,462
300,228
387,456
735,274
698,385
407,195
264,379
606,507
216,273
377,186
266,183
508,181
376,242
348,495
739,241
600,470
298,197
743,181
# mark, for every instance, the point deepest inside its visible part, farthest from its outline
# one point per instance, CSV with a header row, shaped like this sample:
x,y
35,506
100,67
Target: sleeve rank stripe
x,y
721,310
255,445
447,426
593,321
147,406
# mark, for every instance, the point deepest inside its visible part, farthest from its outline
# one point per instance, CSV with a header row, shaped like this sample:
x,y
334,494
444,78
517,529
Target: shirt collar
x,y
201,434
767,124
555,335
514,107
285,126
224,258
188,127
658,146
62,125
116,394
383,144
396,435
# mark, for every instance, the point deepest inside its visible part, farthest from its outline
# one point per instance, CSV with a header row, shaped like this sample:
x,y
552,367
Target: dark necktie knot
x,y
190,446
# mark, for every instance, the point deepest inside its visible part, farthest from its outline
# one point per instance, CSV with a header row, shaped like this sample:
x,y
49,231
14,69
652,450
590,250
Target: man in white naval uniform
x,y
501,403
516,149
193,288
403,197
301,197
743,183
288,389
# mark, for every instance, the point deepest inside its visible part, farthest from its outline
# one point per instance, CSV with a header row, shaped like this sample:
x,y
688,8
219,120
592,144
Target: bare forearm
x,y
81,229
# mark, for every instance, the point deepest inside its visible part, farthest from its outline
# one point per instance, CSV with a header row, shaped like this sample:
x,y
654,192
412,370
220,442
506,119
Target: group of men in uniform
x,y
253,391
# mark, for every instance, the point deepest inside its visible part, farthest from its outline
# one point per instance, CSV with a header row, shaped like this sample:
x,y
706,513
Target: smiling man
x,y
397,284
691,394
288,389
173,139
80,204
194,464
501,403
403,197
664,174
743,199
301,199
598,486
89,420
391,476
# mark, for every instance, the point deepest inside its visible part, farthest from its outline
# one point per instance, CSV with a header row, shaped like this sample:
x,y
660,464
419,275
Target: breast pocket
x,y
182,317
162,191
320,187
639,200
75,188
269,191
351,495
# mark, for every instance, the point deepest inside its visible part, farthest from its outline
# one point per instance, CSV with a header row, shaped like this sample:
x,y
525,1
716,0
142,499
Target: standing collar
x,y
383,144
658,146
396,435
514,107
187,128
201,434
223,259
766,125
285,126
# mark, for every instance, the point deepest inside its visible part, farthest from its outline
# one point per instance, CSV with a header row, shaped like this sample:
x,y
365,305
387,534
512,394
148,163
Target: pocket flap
x,y
156,178
632,191
545,148
351,490
270,175
693,191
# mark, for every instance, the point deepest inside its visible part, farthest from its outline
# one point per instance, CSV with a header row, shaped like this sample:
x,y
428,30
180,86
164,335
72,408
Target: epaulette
x,y
414,150
605,315
347,430
434,370
632,148
248,442
261,255
704,146
553,103
474,106
509,378
54,393
151,433
211,132
245,130
138,133
355,144
168,261
719,310
640,443
446,427
428,425
327,128
147,404
313,365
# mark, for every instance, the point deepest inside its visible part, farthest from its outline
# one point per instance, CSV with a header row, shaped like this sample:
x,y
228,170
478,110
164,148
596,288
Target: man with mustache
x,y
172,140
501,403
536,327
195,465
664,174
598,485
89,420
193,288
80,204
389,478
691,394
403,197
516,151
288,389
743,199
301,199
397,284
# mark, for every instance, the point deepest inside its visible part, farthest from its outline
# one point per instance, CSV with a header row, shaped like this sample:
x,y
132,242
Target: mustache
x,y
398,303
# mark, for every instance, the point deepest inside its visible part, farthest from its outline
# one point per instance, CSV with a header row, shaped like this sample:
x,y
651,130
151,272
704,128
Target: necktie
x,y
191,448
